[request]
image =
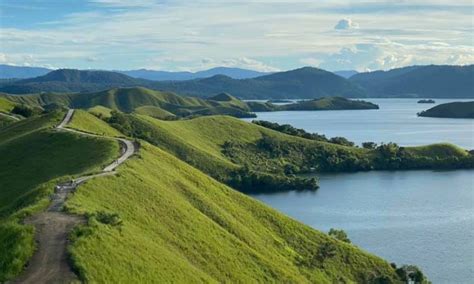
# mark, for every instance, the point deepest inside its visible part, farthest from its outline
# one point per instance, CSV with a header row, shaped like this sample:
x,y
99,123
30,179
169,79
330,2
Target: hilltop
x,y
451,110
432,81
168,105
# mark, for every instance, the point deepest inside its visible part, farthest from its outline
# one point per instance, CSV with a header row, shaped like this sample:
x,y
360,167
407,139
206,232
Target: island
x,y
324,103
424,101
451,110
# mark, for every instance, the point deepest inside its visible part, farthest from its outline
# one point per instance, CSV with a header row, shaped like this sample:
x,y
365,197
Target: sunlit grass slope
x,y
32,155
82,120
181,226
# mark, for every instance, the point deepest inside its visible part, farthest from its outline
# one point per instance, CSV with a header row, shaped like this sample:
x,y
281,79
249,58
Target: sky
x,y
263,35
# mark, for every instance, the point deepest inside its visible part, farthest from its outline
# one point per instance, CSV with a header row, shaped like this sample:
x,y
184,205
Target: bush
x,y
339,235
25,111
369,145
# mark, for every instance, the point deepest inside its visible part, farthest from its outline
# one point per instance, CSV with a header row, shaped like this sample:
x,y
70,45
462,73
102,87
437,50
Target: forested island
x,y
450,110
428,101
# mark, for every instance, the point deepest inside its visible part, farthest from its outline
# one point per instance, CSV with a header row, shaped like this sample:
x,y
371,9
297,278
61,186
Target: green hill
x,y
451,110
33,156
190,228
166,105
254,158
432,81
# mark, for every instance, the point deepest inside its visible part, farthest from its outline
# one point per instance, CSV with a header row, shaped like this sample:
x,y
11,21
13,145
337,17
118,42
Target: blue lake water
x,y
408,217
395,121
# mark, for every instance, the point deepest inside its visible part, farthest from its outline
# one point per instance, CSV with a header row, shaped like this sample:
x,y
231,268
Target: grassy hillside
x,y
451,110
190,228
83,120
6,105
5,121
33,156
252,158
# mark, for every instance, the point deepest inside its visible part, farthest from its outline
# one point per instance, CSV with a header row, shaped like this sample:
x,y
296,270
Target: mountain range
x,y
305,82
25,72
432,81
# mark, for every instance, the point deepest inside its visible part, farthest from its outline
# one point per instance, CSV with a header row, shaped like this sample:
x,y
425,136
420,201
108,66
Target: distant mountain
x,y
300,83
432,81
346,73
235,73
71,80
21,72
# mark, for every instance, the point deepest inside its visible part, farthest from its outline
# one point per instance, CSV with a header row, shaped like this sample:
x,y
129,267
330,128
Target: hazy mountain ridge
x,y
431,81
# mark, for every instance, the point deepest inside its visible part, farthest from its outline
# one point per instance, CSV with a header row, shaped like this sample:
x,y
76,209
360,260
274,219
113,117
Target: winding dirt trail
x,y
50,263
10,116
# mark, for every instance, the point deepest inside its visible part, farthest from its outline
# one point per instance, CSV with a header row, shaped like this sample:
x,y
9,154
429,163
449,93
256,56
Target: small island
x,y
450,110
429,101
325,103
280,101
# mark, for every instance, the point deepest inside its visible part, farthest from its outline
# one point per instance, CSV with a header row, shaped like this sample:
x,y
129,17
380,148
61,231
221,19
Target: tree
x,y
325,251
339,234
369,145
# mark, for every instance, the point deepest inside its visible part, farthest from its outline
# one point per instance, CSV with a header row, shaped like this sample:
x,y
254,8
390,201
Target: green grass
x,y
5,121
33,157
440,150
6,105
451,110
82,120
180,225
100,111
154,111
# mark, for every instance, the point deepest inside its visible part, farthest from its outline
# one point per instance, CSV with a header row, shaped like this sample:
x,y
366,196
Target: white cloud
x,y
346,24
264,35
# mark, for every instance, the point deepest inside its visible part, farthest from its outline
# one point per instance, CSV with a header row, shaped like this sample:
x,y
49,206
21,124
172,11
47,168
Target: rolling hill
x,y
176,223
451,110
432,81
169,105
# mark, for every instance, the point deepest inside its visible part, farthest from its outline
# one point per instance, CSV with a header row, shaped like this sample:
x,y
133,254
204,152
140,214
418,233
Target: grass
x,y
6,105
33,157
100,111
82,120
190,228
154,111
5,121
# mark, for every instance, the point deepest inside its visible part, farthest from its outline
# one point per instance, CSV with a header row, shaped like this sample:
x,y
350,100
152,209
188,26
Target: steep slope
x,y
190,228
451,110
433,81
33,156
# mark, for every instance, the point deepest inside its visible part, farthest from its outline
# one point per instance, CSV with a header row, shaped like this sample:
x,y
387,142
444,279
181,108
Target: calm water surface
x,y
395,121
416,217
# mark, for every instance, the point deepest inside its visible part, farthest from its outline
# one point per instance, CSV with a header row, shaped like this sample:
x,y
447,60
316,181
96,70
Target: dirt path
x,y
10,116
50,264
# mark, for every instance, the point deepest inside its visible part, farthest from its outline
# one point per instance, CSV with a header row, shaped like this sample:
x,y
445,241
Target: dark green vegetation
x,y
451,110
252,158
433,81
301,83
170,106
32,156
329,103
429,101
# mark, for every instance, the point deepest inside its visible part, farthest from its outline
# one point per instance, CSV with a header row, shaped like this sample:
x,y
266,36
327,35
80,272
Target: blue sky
x,y
265,35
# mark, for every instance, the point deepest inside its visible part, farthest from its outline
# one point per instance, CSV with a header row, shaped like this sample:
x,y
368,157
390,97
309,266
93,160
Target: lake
x,y
407,217
395,121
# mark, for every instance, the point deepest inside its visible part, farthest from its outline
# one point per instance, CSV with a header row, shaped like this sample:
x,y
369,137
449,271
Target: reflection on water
x,y
416,217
